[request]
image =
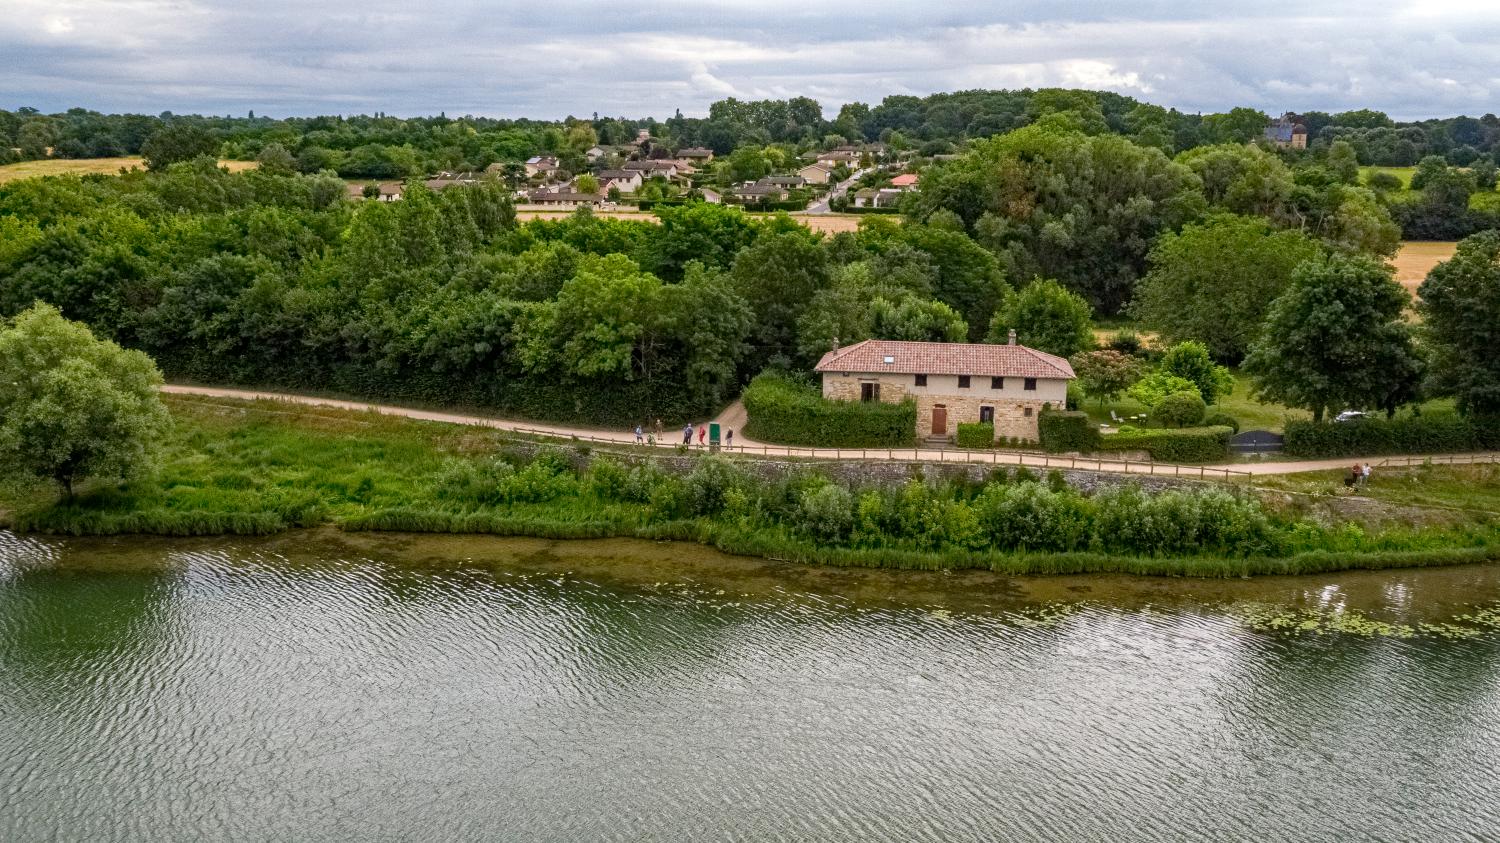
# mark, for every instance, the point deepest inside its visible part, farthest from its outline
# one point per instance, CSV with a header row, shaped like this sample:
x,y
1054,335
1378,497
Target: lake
x,y
322,686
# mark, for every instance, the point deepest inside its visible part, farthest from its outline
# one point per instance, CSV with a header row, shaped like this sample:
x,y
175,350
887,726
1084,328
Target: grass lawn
x,y
83,166
1402,173
1467,487
1252,414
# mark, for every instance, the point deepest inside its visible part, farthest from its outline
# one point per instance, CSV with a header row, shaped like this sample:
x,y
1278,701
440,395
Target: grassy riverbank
x,y
243,468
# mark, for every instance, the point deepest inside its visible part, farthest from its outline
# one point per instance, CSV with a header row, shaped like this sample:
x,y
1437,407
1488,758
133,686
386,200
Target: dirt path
x,y
733,418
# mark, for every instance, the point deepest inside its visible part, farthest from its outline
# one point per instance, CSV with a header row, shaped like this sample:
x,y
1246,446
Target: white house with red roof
x,y
952,383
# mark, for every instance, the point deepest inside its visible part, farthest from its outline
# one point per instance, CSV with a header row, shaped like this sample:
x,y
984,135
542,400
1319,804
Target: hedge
x,y
1064,431
786,413
976,435
1189,444
1429,433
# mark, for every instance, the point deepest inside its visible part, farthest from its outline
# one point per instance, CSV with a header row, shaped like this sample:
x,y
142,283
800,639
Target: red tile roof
x,y
904,180
945,358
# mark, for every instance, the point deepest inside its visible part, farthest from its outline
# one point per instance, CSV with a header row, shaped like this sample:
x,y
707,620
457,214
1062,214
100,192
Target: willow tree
x,y
73,406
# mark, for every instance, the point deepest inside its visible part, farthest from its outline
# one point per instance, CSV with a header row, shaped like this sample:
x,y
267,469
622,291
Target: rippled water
x,y
336,688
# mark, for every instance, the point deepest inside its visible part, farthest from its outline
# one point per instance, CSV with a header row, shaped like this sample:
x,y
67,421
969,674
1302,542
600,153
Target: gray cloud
x,y
1412,59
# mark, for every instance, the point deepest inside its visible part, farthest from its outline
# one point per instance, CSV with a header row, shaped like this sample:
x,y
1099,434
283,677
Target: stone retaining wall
x,y
887,473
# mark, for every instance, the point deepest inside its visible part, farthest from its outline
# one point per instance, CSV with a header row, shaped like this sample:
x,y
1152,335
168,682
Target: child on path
x,y
639,438
729,438
702,433
1364,475
687,434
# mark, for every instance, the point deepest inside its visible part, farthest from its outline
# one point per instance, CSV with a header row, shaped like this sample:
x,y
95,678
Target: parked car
x,y
1351,415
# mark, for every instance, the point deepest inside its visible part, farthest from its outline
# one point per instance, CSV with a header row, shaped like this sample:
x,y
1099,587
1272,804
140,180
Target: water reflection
x,y
320,686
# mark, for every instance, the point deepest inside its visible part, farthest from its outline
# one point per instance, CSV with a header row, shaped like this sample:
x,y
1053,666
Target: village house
x,y
905,181
785,182
389,191
833,158
757,192
653,167
627,181
544,165
885,197
563,198
815,174
1287,132
952,383
697,154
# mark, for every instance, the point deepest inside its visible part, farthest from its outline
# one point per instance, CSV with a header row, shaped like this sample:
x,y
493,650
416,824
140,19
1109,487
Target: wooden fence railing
x,y
919,454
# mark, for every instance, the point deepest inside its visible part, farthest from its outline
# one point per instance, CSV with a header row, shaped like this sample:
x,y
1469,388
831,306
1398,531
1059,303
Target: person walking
x,y
702,434
687,434
1364,475
661,432
729,438
640,437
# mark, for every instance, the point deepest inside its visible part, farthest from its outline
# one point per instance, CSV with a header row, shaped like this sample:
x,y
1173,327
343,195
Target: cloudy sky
x,y
645,57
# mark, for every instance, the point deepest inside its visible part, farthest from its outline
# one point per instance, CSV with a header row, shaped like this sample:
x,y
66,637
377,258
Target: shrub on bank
x,y
786,413
1185,445
976,435
1429,433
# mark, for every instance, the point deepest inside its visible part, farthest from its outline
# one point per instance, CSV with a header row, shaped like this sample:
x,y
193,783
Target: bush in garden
x,y
1221,419
1180,409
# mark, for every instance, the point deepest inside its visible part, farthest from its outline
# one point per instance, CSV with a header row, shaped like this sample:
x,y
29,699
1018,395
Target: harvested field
x,y
84,166
1417,258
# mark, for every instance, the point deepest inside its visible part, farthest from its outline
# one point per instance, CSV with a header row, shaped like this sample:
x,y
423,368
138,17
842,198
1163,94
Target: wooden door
x,y
939,420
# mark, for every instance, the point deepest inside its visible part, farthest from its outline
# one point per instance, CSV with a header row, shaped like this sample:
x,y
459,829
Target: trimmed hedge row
x,y
786,413
1429,433
1187,445
1064,431
976,435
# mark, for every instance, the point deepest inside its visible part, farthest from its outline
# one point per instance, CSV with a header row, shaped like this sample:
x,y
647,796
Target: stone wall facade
x,y
1015,407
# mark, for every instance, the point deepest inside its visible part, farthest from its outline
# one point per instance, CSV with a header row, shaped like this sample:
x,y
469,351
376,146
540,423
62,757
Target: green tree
x,y
1460,307
1335,338
1045,316
177,142
1343,162
1215,280
778,275
1241,178
1105,374
1154,388
1055,204
275,160
968,277
1427,168
1238,125
1190,361
72,406
586,184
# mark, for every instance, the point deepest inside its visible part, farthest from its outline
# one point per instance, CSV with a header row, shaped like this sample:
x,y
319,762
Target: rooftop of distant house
x,y
904,180
945,358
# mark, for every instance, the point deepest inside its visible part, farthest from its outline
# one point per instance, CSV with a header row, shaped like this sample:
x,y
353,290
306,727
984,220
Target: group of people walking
x,y
643,438
1359,475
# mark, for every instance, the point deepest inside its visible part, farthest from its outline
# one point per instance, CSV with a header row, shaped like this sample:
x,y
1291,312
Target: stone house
x,y
1287,132
952,383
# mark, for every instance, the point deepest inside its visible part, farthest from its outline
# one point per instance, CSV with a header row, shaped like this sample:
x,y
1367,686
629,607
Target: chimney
x,y
1012,336
835,345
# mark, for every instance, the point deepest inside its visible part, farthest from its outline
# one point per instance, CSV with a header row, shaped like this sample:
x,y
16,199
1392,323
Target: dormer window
x,y
889,360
